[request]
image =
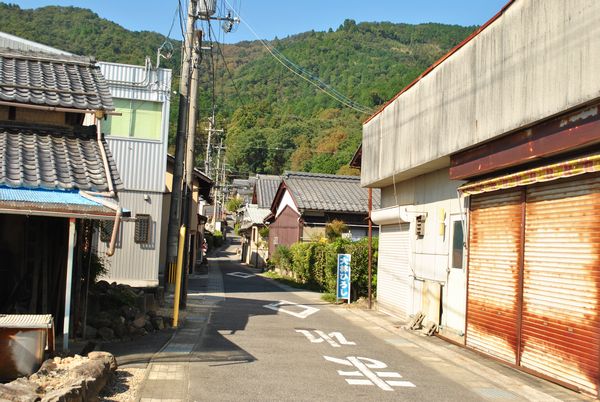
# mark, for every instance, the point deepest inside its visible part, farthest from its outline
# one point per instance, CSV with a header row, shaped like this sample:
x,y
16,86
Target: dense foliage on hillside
x,y
274,119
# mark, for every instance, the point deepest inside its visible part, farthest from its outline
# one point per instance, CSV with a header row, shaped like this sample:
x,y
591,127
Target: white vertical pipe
x,y
69,284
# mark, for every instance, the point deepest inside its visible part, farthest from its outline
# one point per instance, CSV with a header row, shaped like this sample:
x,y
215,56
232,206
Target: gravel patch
x,y
124,386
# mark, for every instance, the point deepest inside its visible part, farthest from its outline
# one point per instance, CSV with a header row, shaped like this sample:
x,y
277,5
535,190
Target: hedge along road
x,y
266,343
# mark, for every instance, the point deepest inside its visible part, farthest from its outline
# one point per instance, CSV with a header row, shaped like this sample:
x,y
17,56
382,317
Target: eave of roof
x,y
57,203
442,59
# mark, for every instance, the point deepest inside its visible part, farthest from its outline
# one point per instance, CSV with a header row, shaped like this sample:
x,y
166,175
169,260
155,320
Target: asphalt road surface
x,y
265,343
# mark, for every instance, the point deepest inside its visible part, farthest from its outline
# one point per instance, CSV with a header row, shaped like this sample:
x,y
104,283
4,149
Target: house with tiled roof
x,y
306,202
254,245
58,179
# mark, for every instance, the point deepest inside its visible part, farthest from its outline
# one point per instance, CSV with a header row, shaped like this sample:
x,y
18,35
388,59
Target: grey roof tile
x,y
266,189
327,192
54,158
52,80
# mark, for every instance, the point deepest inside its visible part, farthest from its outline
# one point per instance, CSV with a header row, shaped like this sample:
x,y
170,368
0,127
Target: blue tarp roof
x,y
44,196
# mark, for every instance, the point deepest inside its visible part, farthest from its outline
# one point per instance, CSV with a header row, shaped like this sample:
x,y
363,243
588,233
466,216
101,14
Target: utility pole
x,y
188,194
176,193
217,184
211,129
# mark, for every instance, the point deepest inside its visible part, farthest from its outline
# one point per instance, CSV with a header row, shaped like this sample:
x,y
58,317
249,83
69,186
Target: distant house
x,y
306,202
255,249
242,188
254,245
201,187
57,179
489,170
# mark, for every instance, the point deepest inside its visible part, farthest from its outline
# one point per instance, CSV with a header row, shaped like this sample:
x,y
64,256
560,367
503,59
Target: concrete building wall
x,y
136,264
538,59
435,196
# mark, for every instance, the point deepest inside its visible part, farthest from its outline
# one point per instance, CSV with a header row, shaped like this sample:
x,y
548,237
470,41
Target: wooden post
x,y
178,277
370,247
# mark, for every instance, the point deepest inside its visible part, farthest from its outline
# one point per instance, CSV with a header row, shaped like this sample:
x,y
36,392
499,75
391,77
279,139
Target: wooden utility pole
x,y
176,193
188,193
217,184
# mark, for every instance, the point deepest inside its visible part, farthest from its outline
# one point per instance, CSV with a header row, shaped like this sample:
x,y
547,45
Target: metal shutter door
x,y
561,282
493,276
393,270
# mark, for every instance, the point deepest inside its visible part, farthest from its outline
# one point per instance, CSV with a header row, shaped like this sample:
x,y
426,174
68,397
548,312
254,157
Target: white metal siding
x,y
136,264
141,164
498,82
393,278
120,78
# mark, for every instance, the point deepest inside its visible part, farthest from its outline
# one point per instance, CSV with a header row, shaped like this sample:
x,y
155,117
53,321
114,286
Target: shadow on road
x,y
227,318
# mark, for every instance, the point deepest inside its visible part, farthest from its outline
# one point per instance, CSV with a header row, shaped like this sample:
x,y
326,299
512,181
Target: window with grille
x,y
142,229
106,229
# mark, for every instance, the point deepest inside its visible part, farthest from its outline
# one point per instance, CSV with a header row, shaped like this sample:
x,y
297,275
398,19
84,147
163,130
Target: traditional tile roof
x,y
47,79
54,158
265,190
329,193
254,215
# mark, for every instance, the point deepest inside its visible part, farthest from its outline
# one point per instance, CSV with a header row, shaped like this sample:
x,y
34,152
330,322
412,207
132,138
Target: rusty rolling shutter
x,y
561,283
494,253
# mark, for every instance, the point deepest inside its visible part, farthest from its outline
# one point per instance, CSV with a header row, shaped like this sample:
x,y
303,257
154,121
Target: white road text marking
x,y
366,369
322,336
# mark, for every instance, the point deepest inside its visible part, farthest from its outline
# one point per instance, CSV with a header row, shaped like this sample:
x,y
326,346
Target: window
x,y
142,229
458,239
139,119
106,229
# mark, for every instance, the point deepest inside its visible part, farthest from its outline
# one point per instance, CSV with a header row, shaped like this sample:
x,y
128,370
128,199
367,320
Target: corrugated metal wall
x,y
136,264
494,258
534,279
561,286
393,274
141,164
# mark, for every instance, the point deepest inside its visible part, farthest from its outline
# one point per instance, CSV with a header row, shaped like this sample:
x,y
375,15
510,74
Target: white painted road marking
x,y
242,275
304,312
341,339
365,368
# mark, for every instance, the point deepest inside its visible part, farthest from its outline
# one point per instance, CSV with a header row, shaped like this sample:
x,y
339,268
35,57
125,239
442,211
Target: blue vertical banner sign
x,y
343,277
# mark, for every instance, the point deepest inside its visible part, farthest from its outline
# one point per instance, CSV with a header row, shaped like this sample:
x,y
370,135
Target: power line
x,y
237,90
307,75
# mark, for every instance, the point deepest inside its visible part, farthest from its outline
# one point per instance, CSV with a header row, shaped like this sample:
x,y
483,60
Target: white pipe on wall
x,y
70,259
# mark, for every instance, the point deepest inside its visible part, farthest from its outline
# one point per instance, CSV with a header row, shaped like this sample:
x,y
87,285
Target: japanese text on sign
x,y
343,277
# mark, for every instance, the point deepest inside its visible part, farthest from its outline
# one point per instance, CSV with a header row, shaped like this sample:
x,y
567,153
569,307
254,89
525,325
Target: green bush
x,y
218,238
315,264
282,259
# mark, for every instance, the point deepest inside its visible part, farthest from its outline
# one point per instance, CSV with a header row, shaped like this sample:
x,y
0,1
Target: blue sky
x,y
277,18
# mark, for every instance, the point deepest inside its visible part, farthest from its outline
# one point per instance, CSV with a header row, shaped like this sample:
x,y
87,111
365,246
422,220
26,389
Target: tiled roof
x,y
328,192
54,158
266,188
253,215
47,79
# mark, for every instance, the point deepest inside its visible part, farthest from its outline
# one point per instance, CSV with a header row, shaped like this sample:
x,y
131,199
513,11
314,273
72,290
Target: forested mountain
x,y
274,119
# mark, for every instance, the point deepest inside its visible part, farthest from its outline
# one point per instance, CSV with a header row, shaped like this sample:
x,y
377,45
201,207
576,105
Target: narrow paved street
x,y
249,338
